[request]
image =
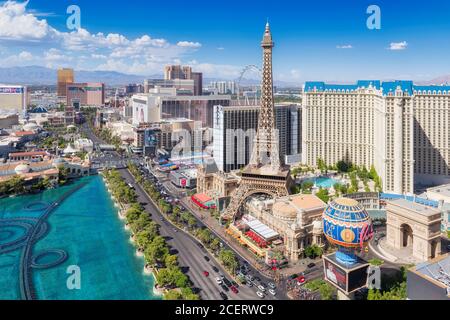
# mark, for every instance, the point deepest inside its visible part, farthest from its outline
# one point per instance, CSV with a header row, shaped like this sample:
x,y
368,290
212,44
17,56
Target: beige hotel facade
x,y
400,128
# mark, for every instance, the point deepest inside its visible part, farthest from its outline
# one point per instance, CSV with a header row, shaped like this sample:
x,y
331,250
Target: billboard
x,y
14,90
345,279
150,138
336,275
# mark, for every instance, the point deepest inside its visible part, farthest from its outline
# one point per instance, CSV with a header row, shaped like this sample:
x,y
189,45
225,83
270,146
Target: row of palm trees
x,y
147,238
183,218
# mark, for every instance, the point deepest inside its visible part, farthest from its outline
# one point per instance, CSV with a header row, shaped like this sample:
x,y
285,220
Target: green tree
x,y
215,244
343,166
188,294
173,295
313,251
307,187
141,223
156,251
204,235
171,261
327,292
228,259
323,195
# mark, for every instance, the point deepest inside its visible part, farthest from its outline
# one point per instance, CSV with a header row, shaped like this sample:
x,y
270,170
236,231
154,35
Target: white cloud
x,y
16,24
220,48
398,45
345,46
82,49
25,55
189,44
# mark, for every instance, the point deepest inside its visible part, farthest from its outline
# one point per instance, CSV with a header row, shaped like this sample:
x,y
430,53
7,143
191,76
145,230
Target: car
x,y
224,287
235,284
223,295
261,288
175,230
263,285
215,269
227,282
249,284
260,294
219,280
311,265
206,258
271,285
234,289
272,292
221,276
249,277
258,279
206,273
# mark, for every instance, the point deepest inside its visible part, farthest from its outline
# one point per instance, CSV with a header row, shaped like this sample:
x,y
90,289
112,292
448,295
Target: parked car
x,y
261,288
234,289
206,273
272,292
235,284
223,296
249,284
219,280
224,287
206,258
271,285
260,294
311,265
215,269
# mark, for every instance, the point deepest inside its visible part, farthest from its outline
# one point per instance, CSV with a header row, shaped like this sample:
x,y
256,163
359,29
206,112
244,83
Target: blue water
x,y
323,182
87,228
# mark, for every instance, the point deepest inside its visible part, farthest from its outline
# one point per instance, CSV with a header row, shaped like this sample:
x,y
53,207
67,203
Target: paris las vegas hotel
x,y
400,128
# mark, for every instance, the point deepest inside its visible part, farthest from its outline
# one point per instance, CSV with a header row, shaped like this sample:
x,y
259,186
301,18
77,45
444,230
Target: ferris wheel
x,y
247,69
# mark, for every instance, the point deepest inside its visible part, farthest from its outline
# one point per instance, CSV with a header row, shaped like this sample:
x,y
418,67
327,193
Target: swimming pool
x,y
323,182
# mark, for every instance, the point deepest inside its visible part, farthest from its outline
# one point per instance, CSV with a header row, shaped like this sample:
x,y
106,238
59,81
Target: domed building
x,y
348,225
22,168
296,218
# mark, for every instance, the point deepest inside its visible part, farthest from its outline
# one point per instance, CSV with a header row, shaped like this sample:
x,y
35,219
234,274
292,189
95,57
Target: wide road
x,y
190,255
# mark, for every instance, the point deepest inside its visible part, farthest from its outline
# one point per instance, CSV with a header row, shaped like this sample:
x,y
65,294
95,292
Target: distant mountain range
x,y
36,75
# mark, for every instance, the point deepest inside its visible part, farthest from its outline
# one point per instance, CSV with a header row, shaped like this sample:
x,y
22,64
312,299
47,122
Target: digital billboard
x,y
335,275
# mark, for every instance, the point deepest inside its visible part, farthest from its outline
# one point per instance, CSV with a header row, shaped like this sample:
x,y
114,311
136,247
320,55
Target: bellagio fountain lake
x,y
68,243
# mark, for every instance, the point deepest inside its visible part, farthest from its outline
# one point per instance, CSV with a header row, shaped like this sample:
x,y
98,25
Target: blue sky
x,y
315,40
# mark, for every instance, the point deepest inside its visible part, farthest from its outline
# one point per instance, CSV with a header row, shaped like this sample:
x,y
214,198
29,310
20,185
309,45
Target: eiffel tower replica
x,y
265,173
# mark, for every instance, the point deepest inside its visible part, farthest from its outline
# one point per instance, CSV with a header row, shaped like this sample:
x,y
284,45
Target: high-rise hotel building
x,y
235,128
400,128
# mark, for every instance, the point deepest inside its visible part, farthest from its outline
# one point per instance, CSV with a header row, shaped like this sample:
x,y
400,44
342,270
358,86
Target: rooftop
x,y
441,190
416,207
406,86
437,269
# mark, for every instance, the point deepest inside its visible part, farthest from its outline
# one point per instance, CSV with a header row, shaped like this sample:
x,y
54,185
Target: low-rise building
x,y
84,144
430,280
297,218
184,178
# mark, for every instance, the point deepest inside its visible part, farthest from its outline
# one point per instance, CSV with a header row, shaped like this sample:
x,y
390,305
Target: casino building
x,y
400,128
13,99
